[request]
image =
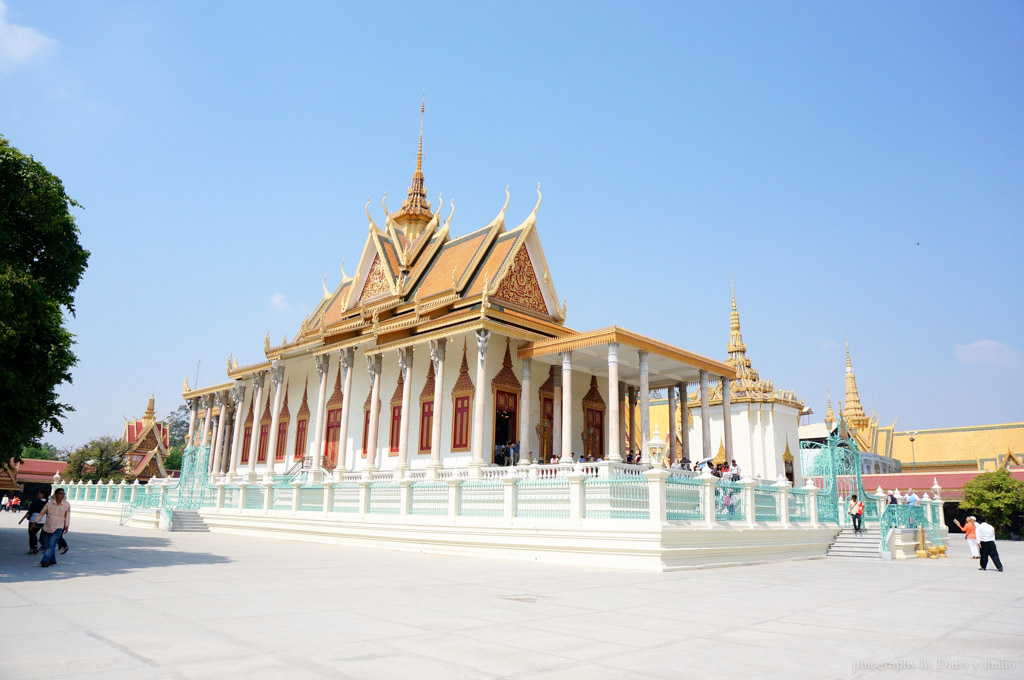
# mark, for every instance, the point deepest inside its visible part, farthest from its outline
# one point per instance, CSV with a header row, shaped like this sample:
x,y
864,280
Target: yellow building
x,y
976,447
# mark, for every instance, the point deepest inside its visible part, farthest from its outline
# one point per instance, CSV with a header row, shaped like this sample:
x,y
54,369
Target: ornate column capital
x,y
321,362
613,352
345,358
276,373
238,394
644,368
482,336
566,360
219,399
437,352
404,361
527,364
373,366
257,379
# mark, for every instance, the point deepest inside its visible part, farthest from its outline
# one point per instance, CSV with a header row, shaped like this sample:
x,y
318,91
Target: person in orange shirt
x,y
972,537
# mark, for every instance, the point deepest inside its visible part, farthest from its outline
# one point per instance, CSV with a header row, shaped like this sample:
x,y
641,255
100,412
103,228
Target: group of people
x,y
981,539
507,454
909,498
9,503
51,518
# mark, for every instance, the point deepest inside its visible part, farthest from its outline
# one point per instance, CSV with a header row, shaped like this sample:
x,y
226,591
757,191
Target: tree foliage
x,y
41,452
177,425
174,455
994,496
41,264
101,459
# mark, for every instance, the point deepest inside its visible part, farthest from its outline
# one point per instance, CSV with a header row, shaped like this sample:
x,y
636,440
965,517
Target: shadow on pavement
x,y
92,554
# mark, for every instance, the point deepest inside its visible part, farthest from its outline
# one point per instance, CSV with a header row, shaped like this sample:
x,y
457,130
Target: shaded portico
x,y
632,365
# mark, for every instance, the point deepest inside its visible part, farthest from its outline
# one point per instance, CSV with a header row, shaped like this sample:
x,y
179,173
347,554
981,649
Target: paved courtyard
x,y
137,604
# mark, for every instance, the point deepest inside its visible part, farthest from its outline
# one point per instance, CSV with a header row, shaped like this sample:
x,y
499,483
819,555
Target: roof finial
x,y
849,366
734,316
419,154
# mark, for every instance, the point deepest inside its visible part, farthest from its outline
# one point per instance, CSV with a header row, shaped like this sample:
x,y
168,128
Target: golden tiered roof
x,y
415,211
748,385
854,413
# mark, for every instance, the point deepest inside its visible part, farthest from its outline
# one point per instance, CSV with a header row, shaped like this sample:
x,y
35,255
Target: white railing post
x,y
242,486
296,488
404,496
881,500
748,499
576,478
782,497
511,497
812,504
364,494
135,489
328,497
268,494
708,497
122,491
454,497
657,502
163,496
219,503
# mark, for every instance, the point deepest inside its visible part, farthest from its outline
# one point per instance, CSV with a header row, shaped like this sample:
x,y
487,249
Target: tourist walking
x,y
33,529
5,504
855,508
56,518
987,545
970,534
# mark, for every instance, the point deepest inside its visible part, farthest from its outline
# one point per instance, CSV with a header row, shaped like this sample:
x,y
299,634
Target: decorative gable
x,y
520,286
376,281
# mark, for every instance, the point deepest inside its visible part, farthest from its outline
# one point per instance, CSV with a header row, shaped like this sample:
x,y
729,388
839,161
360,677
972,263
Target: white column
x,y
556,416
645,408
194,410
673,453
238,397
277,380
437,348
684,417
631,435
705,416
345,364
623,407
614,454
222,405
524,416
322,363
373,365
567,435
405,356
254,440
482,336
727,418
208,406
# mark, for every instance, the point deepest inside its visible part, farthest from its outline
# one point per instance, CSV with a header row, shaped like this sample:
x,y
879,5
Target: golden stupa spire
x,y
150,415
854,411
737,349
830,416
415,212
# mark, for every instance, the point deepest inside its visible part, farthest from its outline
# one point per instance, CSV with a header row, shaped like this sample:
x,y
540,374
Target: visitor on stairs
x,y
855,508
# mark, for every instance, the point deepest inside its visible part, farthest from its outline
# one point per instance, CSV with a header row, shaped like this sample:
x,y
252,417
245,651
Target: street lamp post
x,y
913,456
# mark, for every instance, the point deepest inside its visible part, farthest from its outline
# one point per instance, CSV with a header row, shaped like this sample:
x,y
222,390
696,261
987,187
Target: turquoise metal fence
x,y
346,498
429,498
482,498
799,507
542,498
684,498
908,517
766,502
311,498
384,498
729,505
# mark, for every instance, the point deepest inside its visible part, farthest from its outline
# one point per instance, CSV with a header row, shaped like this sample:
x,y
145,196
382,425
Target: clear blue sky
x,y
223,153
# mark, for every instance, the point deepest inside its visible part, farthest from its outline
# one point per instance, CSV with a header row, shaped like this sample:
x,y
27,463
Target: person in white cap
x,y
969,530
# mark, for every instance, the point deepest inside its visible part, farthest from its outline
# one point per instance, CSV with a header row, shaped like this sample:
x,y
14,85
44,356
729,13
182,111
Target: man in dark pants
x,y
987,545
33,528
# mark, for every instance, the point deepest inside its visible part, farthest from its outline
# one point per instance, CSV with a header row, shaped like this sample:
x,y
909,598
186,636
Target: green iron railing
x,y
907,517
384,498
541,498
429,498
482,498
729,505
799,507
346,497
766,502
684,498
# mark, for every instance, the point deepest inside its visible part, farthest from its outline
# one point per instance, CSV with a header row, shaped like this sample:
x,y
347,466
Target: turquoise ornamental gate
x,y
191,491
834,467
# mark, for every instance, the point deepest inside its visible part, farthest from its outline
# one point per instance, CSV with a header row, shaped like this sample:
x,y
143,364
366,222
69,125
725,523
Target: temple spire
x,y
830,416
737,349
415,214
150,415
854,411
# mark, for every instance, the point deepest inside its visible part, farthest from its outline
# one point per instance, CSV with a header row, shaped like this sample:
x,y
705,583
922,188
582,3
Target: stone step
x,y
187,520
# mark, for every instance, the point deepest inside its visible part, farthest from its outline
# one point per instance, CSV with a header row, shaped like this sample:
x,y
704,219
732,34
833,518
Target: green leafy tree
x,y
41,264
996,497
101,459
177,425
173,461
41,452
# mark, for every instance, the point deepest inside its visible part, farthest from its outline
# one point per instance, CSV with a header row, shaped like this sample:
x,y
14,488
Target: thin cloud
x,y
988,352
21,44
828,344
278,302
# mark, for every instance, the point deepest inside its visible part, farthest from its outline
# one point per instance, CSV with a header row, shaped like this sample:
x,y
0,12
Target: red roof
x,y
33,470
952,483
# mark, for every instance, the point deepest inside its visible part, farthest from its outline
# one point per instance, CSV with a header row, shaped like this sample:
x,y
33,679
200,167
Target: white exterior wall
x,y
760,434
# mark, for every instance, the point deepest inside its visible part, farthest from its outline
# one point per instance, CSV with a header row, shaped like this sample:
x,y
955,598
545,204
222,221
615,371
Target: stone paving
x,y
138,604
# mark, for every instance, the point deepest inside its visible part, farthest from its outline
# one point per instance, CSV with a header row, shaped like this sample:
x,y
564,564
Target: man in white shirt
x,y
913,498
987,544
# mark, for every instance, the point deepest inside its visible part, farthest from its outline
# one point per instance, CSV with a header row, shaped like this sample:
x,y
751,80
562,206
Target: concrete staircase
x,y
187,520
848,544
